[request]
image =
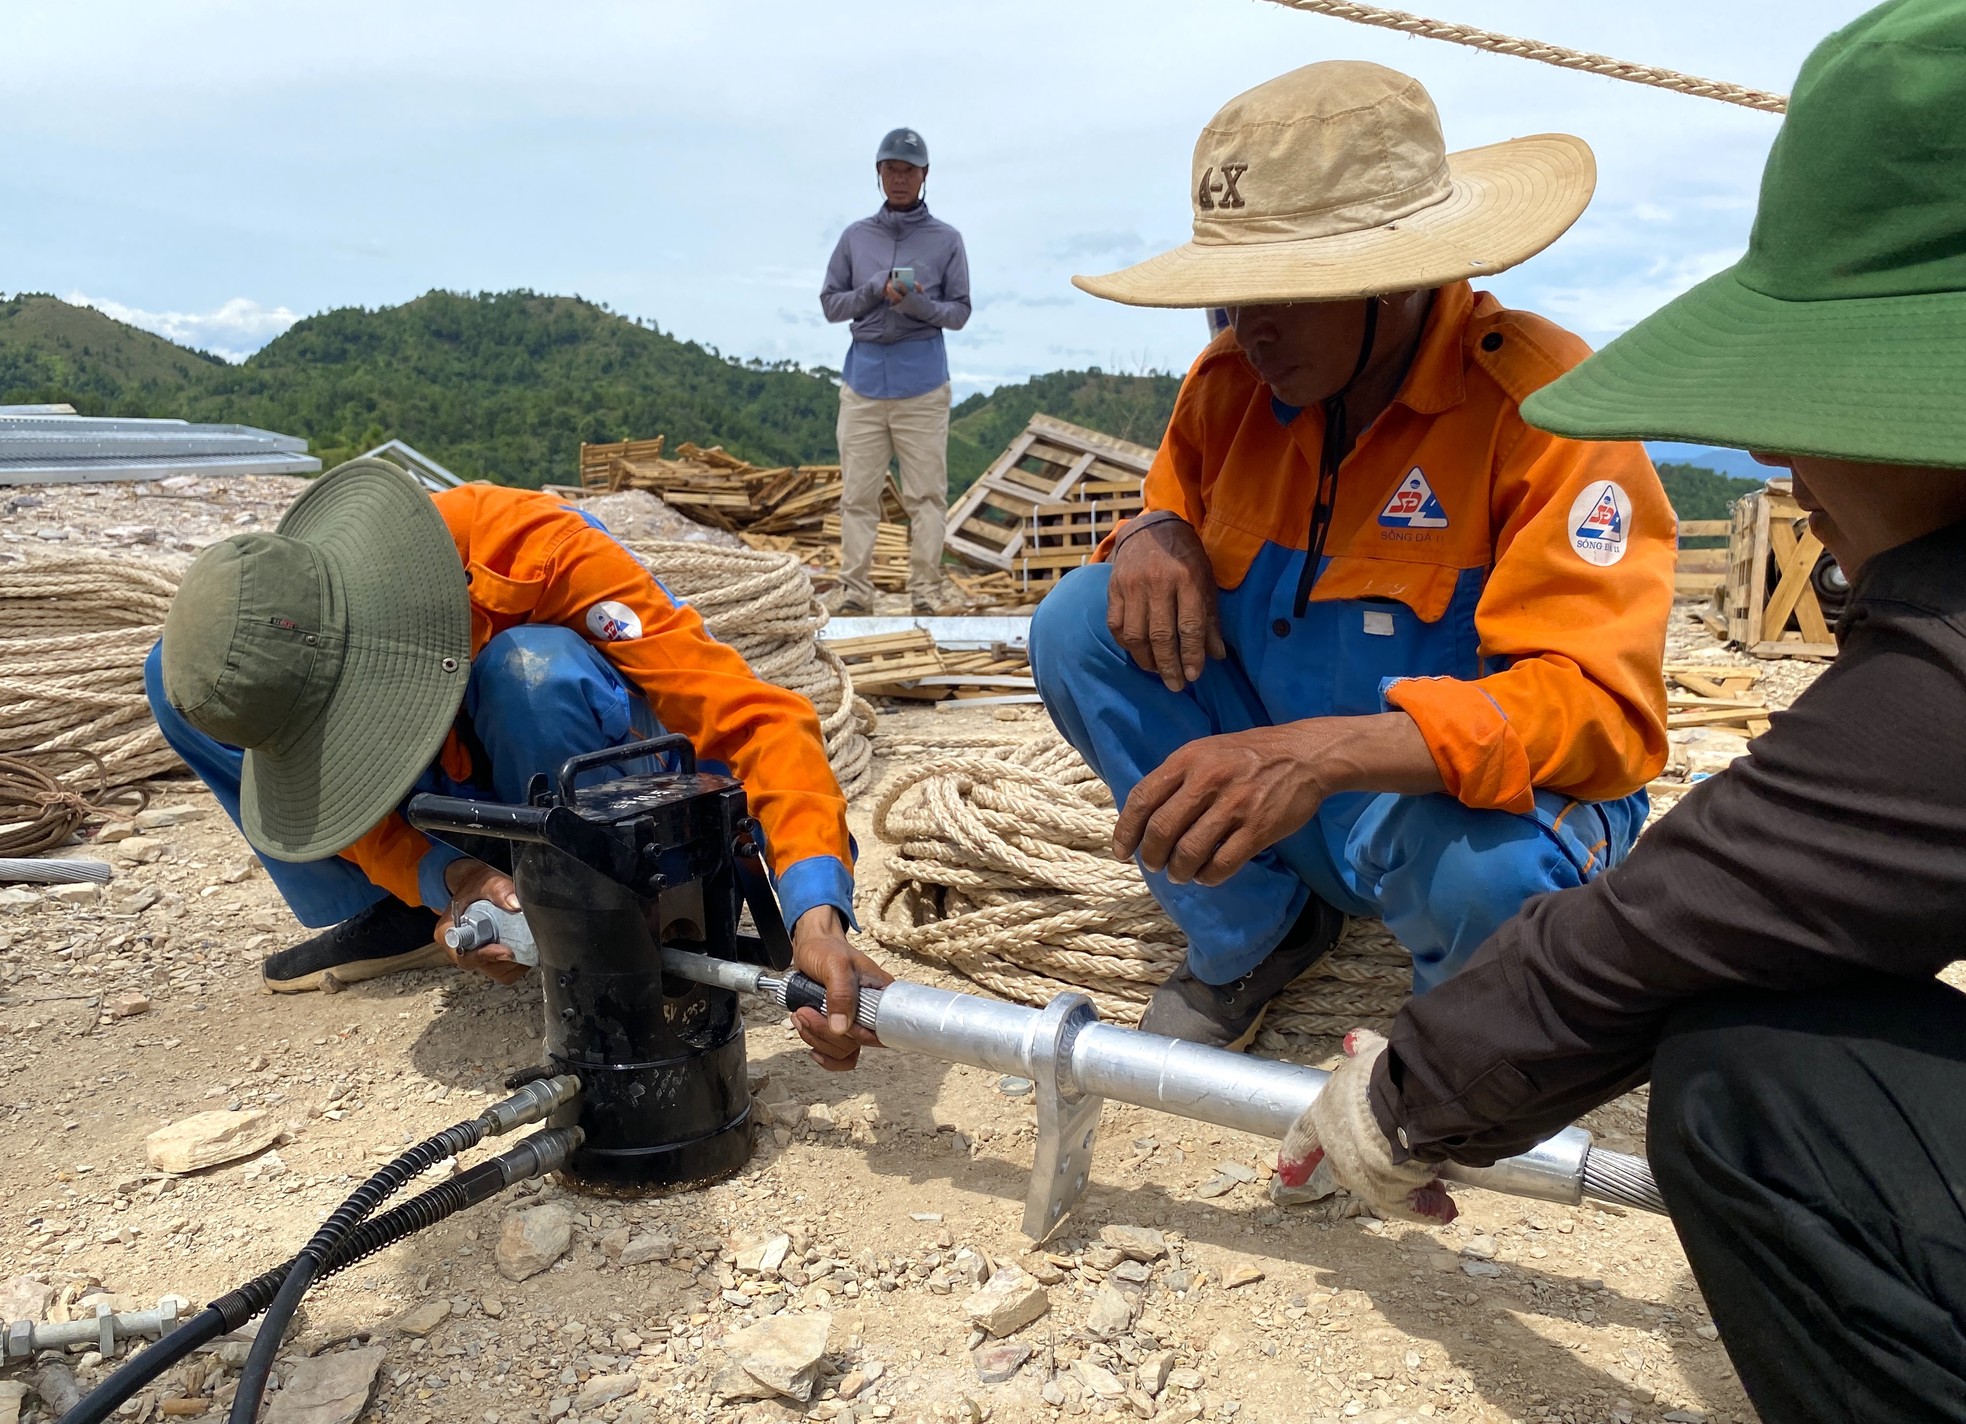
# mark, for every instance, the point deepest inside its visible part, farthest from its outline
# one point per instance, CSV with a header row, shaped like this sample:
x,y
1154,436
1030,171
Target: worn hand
x,y
1340,1125
820,951
470,881
1216,802
1160,603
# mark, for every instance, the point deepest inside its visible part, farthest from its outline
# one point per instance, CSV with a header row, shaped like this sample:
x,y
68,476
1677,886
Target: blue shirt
x,y
899,370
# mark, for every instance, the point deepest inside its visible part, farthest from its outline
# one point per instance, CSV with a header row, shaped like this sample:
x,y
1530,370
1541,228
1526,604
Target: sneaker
x,y
844,605
1228,1015
386,938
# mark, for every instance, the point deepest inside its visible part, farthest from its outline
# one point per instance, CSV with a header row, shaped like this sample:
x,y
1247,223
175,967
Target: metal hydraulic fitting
x,y
535,1102
545,1151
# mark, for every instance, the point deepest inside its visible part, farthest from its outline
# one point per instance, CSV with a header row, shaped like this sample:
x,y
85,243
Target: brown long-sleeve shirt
x,y
1836,848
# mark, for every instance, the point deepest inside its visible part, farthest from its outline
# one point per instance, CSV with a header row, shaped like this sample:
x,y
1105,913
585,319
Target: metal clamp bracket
x,y
1068,1120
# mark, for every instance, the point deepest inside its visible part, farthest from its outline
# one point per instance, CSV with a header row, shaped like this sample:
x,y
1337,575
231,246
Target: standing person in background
x,y
901,277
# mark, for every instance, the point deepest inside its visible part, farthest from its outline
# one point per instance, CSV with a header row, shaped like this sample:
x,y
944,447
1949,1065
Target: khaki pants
x,y
915,430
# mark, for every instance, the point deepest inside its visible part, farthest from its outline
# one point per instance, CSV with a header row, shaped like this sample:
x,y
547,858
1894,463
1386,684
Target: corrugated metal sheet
x,y
61,449
432,475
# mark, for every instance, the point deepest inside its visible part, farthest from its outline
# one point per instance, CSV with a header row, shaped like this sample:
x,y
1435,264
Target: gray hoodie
x,y
854,291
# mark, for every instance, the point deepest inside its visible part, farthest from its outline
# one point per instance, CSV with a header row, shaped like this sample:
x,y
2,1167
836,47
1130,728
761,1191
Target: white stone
x,y
1111,1315
783,1352
208,1138
643,1249
533,1239
1136,1243
328,1389
603,1389
1010,1301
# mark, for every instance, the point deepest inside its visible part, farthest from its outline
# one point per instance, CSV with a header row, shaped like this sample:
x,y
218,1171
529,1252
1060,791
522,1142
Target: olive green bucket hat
x,y
334,652
1842,332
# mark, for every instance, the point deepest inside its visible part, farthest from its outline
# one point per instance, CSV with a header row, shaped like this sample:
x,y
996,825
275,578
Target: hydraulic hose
x,y
531,1103
544,1151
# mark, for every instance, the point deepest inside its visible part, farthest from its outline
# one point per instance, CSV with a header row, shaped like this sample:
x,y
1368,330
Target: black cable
x,y
536,1155
306,1265
1337,444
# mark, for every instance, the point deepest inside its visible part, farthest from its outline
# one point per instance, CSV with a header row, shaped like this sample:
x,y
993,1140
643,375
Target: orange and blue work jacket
x,y
531,559
1505,588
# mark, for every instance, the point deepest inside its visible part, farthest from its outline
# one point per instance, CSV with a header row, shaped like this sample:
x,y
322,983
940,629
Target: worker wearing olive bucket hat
x,y
384,641
1376,647
1768,958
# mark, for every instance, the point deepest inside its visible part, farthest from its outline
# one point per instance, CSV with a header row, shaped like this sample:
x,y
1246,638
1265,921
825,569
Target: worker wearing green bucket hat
x,y
1767,957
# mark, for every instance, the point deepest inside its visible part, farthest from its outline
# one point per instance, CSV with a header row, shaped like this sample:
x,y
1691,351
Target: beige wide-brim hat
x,y
1333,182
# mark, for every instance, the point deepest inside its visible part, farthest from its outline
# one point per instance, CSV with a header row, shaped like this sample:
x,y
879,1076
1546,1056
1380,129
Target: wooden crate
x,y
1698,572
886,660
1050,462
1778,618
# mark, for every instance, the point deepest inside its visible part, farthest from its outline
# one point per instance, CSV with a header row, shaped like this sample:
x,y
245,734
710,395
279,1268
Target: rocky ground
x,y
868,1259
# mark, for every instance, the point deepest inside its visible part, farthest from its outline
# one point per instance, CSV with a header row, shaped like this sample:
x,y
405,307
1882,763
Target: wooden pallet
x,y
887,661
1697,573
1049,463
1785,620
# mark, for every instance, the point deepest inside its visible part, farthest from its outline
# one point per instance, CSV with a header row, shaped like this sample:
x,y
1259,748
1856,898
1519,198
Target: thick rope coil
x,y
762,604
1537,50
74,631
1001,871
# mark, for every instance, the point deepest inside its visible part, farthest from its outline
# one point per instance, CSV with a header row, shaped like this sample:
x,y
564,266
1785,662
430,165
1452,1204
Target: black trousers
x,y
1812,1149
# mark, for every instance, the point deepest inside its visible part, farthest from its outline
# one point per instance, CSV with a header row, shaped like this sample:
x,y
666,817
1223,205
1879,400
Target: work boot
x,y
1228,1015
845,605
386,938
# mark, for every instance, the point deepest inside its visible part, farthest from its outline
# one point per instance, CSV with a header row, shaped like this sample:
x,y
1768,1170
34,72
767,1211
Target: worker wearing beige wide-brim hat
x,y
1376,647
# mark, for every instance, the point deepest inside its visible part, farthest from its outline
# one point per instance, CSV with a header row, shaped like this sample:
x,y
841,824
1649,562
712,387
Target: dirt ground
x,y
128,1013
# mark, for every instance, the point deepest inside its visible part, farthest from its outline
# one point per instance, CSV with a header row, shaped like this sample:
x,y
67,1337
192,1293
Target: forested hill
x,y
506,385
502,386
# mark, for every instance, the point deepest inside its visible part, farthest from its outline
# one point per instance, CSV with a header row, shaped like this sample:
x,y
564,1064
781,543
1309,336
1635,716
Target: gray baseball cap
x,y
906,145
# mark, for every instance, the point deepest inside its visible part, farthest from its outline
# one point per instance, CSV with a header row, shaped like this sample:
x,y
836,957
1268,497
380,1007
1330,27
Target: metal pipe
x,y
103,1329
1068,1053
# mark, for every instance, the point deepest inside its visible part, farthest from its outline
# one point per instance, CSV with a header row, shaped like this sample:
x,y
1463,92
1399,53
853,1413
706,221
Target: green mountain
x,y
501,386
505,386
1135,408
53,352
1699,493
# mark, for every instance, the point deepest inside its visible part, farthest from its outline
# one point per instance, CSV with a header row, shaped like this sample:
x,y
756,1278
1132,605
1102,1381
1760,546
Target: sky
x,y
215,170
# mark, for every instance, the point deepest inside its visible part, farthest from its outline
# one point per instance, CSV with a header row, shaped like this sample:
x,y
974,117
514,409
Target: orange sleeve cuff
x,y
390,855
1482,761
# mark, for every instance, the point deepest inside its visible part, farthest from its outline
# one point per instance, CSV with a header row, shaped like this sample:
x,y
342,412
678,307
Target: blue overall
x,y
1440,874
526,722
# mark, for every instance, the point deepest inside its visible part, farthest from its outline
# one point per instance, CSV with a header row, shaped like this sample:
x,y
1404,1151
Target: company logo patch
x,y
613,622
1600,523
1413,505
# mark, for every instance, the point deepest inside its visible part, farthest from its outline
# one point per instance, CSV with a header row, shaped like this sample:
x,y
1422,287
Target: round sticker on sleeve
x,y
1600,523
613,622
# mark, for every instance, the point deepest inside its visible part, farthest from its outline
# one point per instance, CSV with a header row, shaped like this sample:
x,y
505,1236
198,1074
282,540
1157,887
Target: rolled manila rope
x,y
74,631
762,604
1001,870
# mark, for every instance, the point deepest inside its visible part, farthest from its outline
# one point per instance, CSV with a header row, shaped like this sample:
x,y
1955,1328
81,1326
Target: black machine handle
x,y
748,859
430,812
571,768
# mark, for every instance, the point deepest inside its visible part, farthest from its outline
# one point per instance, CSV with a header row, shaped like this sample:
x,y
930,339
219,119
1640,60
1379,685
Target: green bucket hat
x,y
1842,332
333,651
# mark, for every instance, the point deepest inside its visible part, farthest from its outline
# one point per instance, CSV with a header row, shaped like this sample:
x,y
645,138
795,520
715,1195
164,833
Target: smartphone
x,y
903,278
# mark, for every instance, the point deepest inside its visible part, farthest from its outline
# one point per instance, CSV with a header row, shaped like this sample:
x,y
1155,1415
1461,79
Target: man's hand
x,y
1340,1126
470,881
820,952
1202,814
895,296
1160,603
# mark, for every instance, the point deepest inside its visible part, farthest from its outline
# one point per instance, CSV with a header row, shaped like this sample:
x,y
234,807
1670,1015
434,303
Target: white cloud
x,y
234,329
